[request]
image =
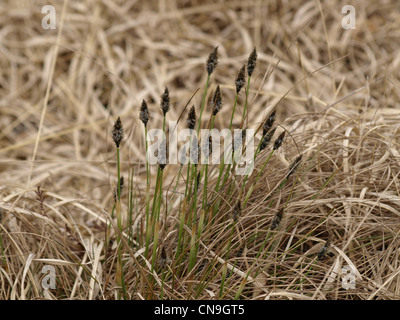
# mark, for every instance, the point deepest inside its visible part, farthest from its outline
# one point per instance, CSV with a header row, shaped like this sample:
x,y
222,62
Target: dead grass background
x,y
336,92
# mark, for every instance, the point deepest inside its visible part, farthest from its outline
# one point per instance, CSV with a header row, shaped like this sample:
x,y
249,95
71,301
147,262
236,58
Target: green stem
x,y
203,104
246,100
222,165
233,111
204,204
256,180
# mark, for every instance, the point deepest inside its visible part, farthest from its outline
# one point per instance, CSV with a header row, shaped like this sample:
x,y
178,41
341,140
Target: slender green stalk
x,y
160,195
233,111
204,204
130,208
2,251
147,196
222,165
119,217
144,117
256,180
174,193
147,170
192,253
310,267
203,103
228,169
120,271
224,272
195,182
181,224
118,134
155,212
155,244
159,172
246,100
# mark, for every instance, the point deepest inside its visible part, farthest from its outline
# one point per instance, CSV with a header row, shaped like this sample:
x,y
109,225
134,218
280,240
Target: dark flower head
x,y
165,101
294,165
217,101
277,220
251,62
269,122
144,113
191,119
212,61
279,141
266,139
118,132
322,252
240,79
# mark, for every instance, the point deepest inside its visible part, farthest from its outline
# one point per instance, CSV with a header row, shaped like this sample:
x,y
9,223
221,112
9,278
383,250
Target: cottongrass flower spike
x,y
240,79
191,119
212,61
279,141
251,62
118,132
269,122
266,139
217,101
165,101
144,113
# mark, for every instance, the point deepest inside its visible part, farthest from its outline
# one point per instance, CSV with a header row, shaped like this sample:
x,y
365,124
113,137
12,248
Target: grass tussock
x,y
319,216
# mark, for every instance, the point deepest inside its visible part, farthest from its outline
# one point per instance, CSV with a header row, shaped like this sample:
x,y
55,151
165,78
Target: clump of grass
x,y
199,221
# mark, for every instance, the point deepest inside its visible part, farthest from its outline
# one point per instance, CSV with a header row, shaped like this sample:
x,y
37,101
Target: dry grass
x,y
336,93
